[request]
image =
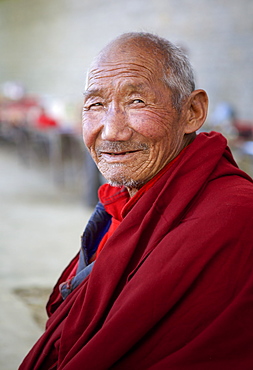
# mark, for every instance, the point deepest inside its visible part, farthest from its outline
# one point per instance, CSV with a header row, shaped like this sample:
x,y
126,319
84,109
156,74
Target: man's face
x,y
129,123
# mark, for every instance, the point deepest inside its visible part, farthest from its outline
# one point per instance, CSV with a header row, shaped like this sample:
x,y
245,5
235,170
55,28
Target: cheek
x,y
90,131
150,125
87,136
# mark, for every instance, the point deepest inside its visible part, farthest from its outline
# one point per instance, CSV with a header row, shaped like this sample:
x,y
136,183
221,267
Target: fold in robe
x,y
173,286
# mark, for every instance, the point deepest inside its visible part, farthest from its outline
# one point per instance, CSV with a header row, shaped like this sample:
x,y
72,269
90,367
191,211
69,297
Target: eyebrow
x,y
132,88
88,93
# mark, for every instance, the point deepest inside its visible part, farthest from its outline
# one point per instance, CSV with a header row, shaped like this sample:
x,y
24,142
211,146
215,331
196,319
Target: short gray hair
x,y
178,72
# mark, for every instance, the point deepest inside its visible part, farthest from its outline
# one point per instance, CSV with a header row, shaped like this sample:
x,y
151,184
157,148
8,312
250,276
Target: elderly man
x,y
164,278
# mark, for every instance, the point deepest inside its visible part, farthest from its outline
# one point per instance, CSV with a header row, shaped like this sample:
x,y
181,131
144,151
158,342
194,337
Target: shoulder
x,y
230,190
226,202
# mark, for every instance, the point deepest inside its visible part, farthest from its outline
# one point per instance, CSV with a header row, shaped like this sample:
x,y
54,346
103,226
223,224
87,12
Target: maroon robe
x,y
173,286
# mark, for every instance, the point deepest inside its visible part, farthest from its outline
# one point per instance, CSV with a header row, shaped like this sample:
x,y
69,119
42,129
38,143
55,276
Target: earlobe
x,y
197,107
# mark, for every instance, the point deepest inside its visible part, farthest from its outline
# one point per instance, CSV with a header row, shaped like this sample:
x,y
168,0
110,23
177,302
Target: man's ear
x,y
197,107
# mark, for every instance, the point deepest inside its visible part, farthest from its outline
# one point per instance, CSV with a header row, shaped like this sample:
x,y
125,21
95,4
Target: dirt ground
x,y
35,298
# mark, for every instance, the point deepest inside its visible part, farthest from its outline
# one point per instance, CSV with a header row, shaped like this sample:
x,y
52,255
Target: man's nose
x,y
115,126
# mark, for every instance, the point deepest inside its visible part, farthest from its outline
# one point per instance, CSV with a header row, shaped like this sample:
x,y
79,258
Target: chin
x,y
128,183
118,176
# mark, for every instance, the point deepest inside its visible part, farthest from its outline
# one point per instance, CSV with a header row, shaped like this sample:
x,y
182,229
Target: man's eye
x,y
98,104
92,106
87,106
138,101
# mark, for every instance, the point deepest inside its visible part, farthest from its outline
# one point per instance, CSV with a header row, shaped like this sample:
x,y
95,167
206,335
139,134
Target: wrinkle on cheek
x,y
154,123
88,137
164,115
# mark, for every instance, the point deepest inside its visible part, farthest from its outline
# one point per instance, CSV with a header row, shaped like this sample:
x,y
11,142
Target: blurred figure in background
x,y
222,119
45,121
225,119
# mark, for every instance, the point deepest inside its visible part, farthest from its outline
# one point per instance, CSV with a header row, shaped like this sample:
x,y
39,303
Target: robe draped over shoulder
x,y
173,286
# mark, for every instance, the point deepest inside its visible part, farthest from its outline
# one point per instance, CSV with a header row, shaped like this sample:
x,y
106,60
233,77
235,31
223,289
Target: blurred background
x,y
48,183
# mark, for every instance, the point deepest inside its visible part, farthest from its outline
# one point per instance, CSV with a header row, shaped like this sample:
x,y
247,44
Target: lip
x,y
119,156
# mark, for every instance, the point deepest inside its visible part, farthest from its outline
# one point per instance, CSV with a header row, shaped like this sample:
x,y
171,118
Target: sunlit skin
x,y
129,124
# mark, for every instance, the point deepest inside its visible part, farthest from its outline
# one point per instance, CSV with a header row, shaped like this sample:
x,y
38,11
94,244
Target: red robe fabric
x,y
173,286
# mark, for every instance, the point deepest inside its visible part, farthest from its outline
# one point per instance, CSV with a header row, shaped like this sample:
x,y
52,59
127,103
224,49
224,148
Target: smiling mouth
x,y
121,153
119,149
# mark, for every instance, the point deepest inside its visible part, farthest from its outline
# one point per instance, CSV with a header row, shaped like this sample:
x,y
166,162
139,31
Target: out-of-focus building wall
x,y
47,45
